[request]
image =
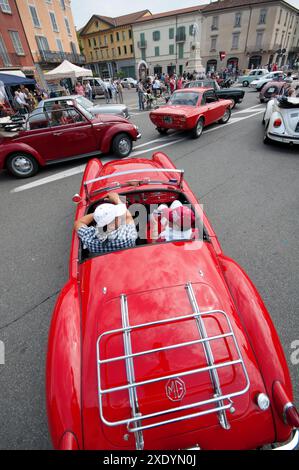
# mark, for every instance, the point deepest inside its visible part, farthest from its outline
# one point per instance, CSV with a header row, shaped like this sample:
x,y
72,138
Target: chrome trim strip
x,y
292,444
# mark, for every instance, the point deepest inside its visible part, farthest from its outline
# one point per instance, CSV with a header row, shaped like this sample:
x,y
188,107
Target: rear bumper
x,y
283,138
292,444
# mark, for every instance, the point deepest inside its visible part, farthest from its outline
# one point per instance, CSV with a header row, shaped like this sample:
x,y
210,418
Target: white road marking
x,y
243,111
156,140
247,110
233,121
80,169
135,154
57,176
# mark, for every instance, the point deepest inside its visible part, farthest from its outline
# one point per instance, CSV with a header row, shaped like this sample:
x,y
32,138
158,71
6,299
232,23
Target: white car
x,y
281,120
269,77
129,82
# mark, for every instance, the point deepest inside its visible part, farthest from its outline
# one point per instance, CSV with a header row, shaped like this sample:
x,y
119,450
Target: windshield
x,y
183,98
84,102
84,105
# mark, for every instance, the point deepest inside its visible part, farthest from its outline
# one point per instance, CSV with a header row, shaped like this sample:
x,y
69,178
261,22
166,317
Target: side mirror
x,y
76,198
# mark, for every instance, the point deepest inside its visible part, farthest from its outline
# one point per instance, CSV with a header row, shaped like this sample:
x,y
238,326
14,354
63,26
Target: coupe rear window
x,y
182,98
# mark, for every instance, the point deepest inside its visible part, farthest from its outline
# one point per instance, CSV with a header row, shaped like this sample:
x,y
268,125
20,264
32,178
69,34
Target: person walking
x,y
140,91
114,92
120,91
88,90
106,92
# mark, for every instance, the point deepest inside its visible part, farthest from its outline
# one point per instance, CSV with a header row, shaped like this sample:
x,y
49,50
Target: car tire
x,y
226,117
22,165
162,130
198,129
122,145
266,139
245,83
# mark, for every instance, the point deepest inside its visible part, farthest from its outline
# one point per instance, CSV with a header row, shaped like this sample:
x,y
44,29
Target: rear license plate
x,y
168,119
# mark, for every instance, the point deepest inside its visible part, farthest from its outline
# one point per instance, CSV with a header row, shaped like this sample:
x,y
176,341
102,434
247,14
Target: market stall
x,y
66,75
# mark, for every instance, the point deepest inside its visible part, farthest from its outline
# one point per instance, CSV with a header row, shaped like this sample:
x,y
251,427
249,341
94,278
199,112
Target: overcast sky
x,y
84,9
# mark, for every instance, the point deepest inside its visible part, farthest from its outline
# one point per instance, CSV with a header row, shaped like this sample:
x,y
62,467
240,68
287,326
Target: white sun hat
x,y
106,213
175,204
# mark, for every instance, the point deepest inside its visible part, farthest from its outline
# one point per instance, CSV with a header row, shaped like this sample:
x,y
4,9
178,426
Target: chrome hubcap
x,y
226,115
22,165
124,146
199,128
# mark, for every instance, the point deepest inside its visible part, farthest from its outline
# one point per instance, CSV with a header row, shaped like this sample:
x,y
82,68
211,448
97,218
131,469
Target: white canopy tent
x,y
67,70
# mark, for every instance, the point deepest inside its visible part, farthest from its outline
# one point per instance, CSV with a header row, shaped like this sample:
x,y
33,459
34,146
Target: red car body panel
x,y
51,144
153,277
185,117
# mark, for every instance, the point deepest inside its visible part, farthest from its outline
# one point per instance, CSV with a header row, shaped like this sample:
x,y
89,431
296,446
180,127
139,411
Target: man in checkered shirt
x,y
114,230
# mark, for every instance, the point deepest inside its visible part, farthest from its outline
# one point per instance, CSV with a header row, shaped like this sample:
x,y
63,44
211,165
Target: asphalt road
x,y
250,193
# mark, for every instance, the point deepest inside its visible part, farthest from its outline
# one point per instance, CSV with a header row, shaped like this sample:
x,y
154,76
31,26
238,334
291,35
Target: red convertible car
x,y
64,133
191,109
165,345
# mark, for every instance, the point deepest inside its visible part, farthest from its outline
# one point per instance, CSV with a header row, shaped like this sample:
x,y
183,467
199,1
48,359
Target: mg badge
x,y
175,389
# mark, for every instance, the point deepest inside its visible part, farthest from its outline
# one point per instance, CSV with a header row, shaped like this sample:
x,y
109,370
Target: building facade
x,y
108,44
249,34
14,48
162,41
50,31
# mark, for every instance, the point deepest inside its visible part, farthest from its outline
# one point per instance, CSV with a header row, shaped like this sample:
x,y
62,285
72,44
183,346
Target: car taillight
x,y
277,122
292,416
284,406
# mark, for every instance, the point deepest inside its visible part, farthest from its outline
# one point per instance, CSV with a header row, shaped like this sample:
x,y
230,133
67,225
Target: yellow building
x,y
50,31
108,44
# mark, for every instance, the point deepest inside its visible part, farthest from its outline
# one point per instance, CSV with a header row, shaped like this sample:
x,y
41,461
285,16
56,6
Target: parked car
x,y
61,134
269,77
234,94
191,109
272,89
96,85
177,351
82,102
129,82
253,75
281,120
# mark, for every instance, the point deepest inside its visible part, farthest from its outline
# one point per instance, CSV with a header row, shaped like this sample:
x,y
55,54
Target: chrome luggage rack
x,y
222,402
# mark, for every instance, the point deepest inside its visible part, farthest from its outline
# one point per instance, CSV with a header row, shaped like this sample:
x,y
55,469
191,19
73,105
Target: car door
x,y
38,134
72,134
213,108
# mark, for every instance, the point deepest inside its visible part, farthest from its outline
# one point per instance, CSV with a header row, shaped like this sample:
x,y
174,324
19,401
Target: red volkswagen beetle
x,y
191,109
62,133
166,345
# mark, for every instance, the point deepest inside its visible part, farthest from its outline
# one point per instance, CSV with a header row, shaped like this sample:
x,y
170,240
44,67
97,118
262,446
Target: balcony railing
x,y
56,57
142,44
180,37
11,60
